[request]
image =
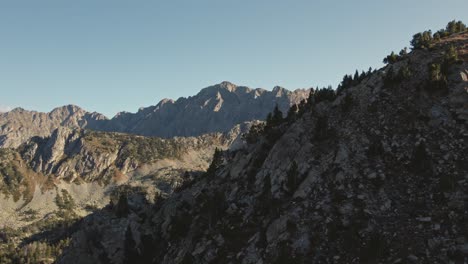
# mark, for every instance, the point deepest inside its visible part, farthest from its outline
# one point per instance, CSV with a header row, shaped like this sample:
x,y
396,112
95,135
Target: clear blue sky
x,y
114,55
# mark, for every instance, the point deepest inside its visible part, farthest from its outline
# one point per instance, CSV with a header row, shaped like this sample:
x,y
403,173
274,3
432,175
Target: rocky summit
x,y
216,108
374,171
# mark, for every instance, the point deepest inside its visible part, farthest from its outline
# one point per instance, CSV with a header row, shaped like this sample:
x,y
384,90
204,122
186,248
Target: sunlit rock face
x,y
216,108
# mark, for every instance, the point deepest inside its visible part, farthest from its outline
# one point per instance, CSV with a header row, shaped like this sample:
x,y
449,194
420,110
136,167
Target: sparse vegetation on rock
x,y
426,40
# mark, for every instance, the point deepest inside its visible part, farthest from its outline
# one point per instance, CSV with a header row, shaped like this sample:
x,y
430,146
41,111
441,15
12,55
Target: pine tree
x,y
215,163
310,99
277,115
461,26
356,78
435,72
437,78
452,27
292,178
122,208
269,118
404,73
422,40
303,105
451,55
293,112
390,59
404,52
325,94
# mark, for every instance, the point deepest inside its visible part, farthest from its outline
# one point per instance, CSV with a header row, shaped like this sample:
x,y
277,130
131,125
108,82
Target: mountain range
x,y
216,108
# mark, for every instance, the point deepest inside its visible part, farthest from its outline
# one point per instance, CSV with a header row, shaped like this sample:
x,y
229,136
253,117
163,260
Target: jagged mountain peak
x,y
217,108
166,101
71,108
17,110
228,86
224,87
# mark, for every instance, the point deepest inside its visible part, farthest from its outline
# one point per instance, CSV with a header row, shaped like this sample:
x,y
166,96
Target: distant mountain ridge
x,y
214,109
217,108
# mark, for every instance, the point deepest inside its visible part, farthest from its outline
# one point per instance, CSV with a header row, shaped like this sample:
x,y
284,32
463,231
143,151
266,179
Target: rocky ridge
x,y
214,109
217,108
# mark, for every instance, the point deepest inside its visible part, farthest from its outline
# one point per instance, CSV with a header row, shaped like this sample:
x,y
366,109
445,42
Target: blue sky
x,y
110,56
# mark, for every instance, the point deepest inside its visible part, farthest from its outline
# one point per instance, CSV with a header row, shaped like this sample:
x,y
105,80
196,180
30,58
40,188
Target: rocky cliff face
x,y
19,125
214,109
89,165
90,156
377,175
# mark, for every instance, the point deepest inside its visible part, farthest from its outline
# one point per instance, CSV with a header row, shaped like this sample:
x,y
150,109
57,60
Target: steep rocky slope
x,y
214,109
376,175
89,165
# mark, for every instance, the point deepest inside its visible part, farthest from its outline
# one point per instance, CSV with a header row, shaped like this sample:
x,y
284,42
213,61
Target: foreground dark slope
x,y
377,175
